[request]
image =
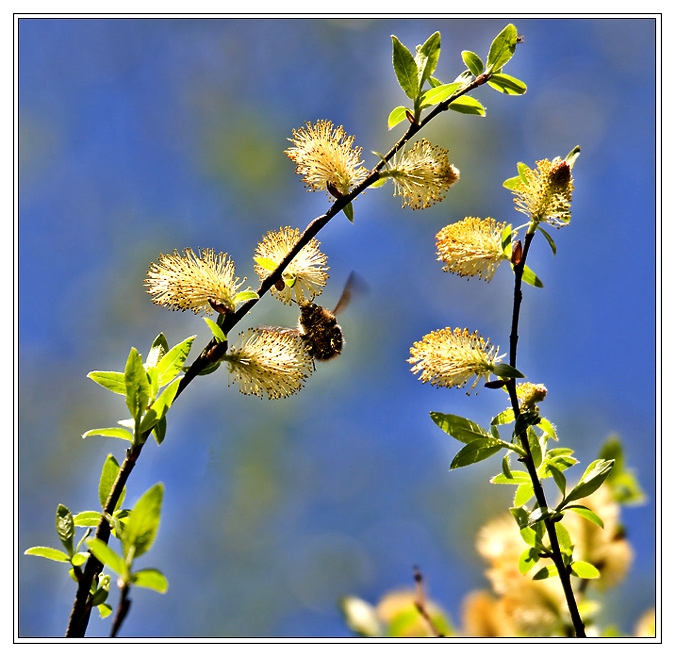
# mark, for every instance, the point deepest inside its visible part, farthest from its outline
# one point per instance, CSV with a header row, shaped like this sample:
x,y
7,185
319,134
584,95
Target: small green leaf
x,y
473,62
266,263
505,417
572,156
160,407
584,570
397,115
150,578
506,239
104,610
557,475
110,432
216,330
517,477
349,212
476,451
159,347
459,428
520,514
564,539
502,48
159,430
585,512
109,474
506,467
528,560
427,57
405,68
438,94
524,494
507,84
591,480
65,527
171,364
549,239
531,278
87,519
79,558
506,371
137,385
139,532
547,428
245,295
513,183
108,557
48,553
467,105
113,381
546,572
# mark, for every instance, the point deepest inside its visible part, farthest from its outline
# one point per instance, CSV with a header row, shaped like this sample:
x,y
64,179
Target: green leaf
x,y
110,432
564,539
572,156
159,430
137,385
216,330
502,48
459,428
505,417
245,295
622,481
108,557
506,371
585,512
517,477
467,105
549,239
139,532
170,366
584,570
427,57
405,68
547,428
266,263
506,239
438,94
150,578
523,495
397,115
349,212
546,572
507,84
528,560
79,558
87,519
65,527
513,183
557,475
48,553
160,406
520,514
531,278
476,451
113,381
591,480
109,474
104,610
535,446
473,62
159,347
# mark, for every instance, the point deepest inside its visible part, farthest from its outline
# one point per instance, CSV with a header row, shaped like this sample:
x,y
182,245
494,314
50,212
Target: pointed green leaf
x,y
65,527
459,428
591,480
266,263
502,48
159,347
397,115
87,519
159,430
520,515
48,553
110,432
467,105
505,417
546,572
405,68
584,570
245,295
170,366
108,557
524,494
139,532
109,474
572,156
549,239
159,407
113,381
547,428
104,610
531,278
506,238
216,330
349,212
557,475
517,477
506,371
137,385
427,57
585,512
513,183
438,94
507,84
150,578
473,62
528,560
476,451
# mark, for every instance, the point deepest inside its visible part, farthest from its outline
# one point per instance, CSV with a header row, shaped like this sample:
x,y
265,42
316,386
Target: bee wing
x,y
354,285
279,329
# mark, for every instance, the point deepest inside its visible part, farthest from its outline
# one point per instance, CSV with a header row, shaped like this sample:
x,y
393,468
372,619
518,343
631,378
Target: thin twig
x,y
420,604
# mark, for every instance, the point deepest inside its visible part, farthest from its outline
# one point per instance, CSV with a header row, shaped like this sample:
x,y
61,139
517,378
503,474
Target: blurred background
x,y
141,136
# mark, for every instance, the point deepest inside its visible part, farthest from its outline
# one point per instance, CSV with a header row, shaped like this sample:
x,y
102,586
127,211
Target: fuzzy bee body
x,y
318,327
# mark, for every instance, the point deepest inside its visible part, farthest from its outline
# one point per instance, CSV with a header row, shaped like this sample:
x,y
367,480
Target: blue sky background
x,y
141,136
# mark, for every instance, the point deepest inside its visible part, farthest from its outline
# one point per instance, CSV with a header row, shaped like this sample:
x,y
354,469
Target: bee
x,y
318,326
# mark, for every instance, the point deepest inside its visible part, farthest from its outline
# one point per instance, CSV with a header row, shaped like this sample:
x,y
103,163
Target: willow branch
x,y
79,617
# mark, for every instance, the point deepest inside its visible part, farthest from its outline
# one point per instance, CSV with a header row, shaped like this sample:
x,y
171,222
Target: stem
x,y
122,610
563,570
79,616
